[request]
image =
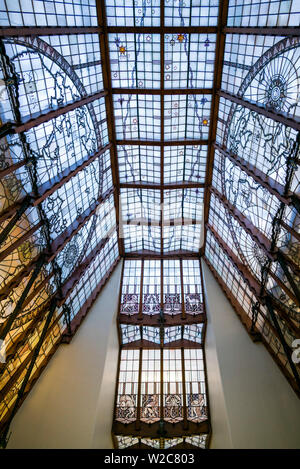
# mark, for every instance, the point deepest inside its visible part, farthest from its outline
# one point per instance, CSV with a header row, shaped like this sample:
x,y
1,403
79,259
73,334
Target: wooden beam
x,y
263,31
77,320
12,31
219,57
165,143
179,185
162,91
106,72
144,254
162,29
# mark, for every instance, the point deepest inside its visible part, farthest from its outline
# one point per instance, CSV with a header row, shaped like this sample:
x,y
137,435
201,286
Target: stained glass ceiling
x,y
162,88
145,129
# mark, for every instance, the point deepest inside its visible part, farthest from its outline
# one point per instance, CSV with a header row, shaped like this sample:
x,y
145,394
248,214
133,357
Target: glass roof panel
x,y
264,13
191,12
186,117
185,163
186,238
138,238
135,60
189,60
183,204
140,204
133,12
138,163
48,13
137,117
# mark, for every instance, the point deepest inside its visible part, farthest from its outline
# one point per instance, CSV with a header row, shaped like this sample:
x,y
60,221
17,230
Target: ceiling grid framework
x,y
185,121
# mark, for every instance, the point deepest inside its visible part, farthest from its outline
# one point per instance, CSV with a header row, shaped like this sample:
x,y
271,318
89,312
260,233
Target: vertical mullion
x,y
162,285
183,316
140,314
138,408
162,340
161,383
185,422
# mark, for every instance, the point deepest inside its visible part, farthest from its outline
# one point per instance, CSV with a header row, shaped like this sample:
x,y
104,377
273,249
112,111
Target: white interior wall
x,y
261,408
59,412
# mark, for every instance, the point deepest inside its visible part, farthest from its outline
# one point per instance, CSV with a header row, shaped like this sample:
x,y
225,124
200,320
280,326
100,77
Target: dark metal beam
x,y
247,323
57,245
60,242
254,232
10,169
183,315
162,138
289,276
274,187
13,246
164,222
282,118
46,189
179,185
66,293
251,281
47,30
152,430
18,307
154,320
24,204
162,91
6,129
74,278
59,180
263,31
29,369
144,254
